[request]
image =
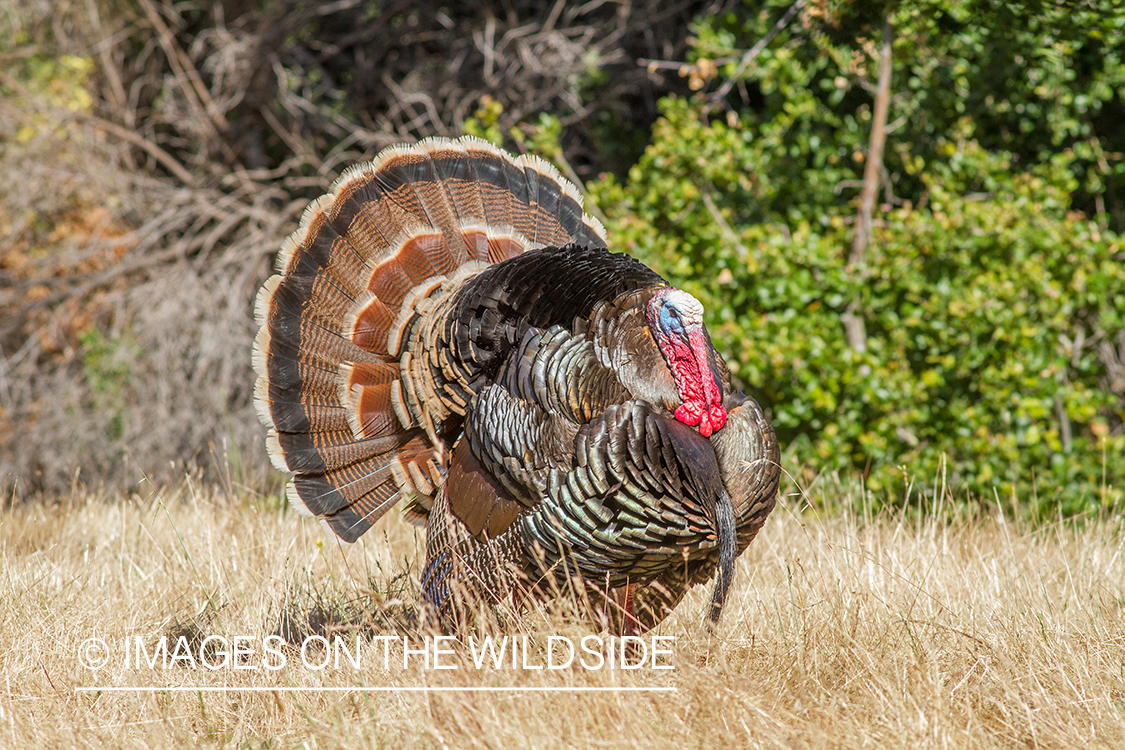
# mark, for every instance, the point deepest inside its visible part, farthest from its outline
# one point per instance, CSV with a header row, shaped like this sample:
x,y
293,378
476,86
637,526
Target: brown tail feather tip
x,y
374,326
465,146
321,205
368,322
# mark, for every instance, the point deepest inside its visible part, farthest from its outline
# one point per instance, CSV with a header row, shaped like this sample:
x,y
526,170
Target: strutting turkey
x,y
447,328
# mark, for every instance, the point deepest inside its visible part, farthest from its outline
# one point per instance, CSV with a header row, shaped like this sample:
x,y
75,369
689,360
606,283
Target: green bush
x,y
994,313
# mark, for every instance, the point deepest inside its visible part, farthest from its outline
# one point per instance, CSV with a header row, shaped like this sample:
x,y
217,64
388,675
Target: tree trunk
x,y
853,318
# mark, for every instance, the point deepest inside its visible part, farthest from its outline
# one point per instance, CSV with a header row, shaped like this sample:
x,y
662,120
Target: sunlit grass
x,y
843,630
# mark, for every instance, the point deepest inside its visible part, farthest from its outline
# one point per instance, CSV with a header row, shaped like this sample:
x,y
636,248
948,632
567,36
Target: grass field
x,y
841,632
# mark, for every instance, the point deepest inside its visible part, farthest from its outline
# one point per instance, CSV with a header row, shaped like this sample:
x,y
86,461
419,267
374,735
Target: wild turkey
x,y
448,328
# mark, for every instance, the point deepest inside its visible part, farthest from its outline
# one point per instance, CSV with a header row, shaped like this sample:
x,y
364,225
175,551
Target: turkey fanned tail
x,y
448,332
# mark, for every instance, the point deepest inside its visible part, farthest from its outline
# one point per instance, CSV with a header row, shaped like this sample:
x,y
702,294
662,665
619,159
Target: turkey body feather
x,y
448,330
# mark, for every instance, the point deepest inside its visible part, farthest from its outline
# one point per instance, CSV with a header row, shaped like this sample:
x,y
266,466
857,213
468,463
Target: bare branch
x,y
184,67
753,52
852,319
155,151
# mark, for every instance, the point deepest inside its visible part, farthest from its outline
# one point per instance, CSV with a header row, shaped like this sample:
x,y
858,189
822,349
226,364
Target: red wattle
x,y
688,414
705,428
700,393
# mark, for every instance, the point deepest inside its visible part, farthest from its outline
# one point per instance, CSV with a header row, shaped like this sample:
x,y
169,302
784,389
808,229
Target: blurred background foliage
x,y
975,343
993,288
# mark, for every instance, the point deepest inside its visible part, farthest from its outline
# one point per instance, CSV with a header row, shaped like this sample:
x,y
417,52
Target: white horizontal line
x,y
260,689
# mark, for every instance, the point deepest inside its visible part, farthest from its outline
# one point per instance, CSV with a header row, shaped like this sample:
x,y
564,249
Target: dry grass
x,y
888,632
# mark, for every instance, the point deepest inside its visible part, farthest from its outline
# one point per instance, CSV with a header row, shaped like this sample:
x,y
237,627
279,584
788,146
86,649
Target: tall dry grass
x,y
891,631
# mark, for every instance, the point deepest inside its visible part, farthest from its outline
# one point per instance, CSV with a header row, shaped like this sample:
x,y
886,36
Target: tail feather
x,y
320,269
361,216
327,489
368,393
493,243
351,502
365,263
461,181
308,361
421,255
369,322
447,201
531,180
546,206
337,449
410,182
322,414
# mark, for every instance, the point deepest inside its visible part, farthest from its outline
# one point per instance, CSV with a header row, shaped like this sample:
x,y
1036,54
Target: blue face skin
x,y
670,320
